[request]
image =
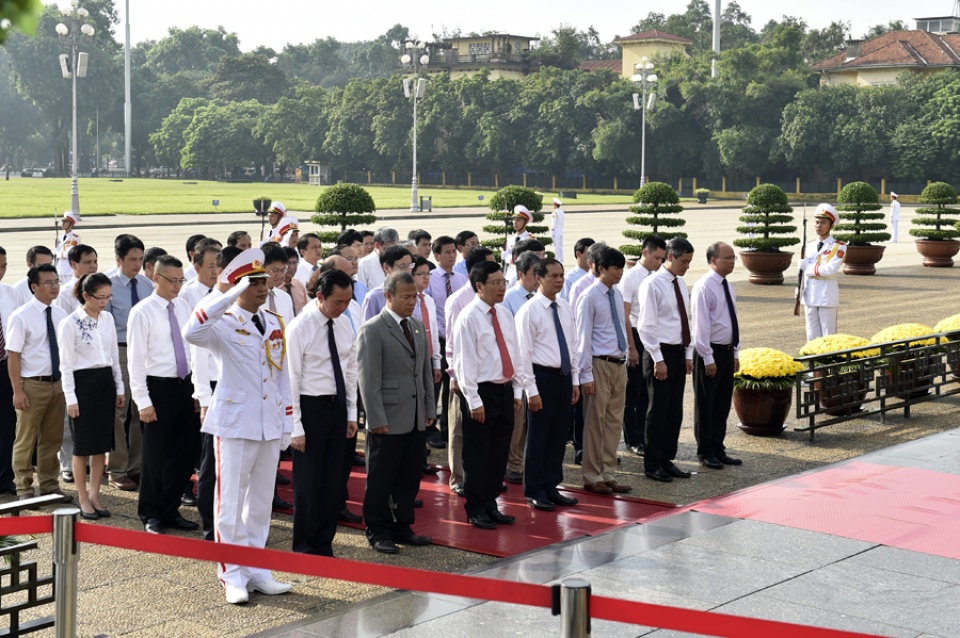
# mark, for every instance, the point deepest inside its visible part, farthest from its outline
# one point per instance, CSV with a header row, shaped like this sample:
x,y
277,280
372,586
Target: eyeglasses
x,y
102,298
399,266
276,271
422,274
499,283
175,282
50,283
352,260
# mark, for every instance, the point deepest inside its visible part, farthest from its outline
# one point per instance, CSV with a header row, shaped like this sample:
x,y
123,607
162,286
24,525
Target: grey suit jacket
x,y
396,384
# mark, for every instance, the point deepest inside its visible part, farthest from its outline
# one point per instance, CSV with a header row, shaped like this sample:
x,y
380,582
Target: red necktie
x,y
425,317
502,346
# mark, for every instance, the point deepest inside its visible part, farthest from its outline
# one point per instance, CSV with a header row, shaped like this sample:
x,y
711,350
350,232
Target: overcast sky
x,y
278,22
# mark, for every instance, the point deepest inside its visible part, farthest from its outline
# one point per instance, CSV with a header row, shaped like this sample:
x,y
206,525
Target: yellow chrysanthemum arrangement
x,y
836,343
949,324
765,369
903,331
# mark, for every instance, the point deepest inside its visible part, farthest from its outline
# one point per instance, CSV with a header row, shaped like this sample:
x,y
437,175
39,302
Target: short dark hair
x,y
323,283
653,242
393,254
349,236
227,255
463,237
3,251
527,260
527,244
192,242
33,275
440,242
582,245
201,250
272,253
417,234
481,272
304,241
678,246
291,253
367,233
33,251
90,284
543,266
77,252
234,238
476,255
124,243
419,261
152,254
609,257
167,261
396,278
208,241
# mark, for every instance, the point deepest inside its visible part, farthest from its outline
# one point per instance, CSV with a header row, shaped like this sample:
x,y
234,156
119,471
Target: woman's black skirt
x,y
96,396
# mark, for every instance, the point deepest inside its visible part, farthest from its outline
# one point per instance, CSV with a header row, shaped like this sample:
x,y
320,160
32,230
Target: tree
x,y
22,14
878,30
937,222
221,136
342,206
295,127
569,46
501,212
819,44
767,213
169,140
858,203
248,77
652,201
192,49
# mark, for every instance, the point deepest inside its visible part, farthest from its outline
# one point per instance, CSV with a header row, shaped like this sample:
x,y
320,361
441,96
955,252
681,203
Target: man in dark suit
x,y
396,385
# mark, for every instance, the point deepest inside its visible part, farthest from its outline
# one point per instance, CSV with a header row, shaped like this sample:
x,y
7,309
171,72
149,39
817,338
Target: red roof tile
x,y
898,48
654,34
610,65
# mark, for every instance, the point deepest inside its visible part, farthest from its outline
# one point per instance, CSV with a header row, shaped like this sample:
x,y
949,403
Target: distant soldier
x,y
894,216
65,242
556,228
824,257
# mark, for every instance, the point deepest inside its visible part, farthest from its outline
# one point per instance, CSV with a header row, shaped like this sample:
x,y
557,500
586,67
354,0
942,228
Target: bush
x,y
937,227
856,205
769,211
653,201
344,206
501,212
702,192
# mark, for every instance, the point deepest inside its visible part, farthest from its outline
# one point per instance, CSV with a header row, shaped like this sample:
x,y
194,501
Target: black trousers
x,y
575,435
712,397
349,451
636,402
442,391
8,426
665,412
486,447
168,457
547,433
318,475
207,480
394,465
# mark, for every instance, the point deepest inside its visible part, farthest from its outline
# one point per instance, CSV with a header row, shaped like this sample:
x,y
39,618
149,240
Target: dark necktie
x,y
682,309
3,343
529,295
335,360
505,359
134,293
258,324
615,316
406,333
733,314
819,246
562,339
447,276
54,348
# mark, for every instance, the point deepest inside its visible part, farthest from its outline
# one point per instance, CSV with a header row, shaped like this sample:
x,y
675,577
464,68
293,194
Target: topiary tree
x,y
501,211
653,201
856,205
940,226
343,206
767,213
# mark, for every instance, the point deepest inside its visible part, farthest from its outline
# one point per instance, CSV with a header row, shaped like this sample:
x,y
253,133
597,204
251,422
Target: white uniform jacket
x,y
820,271
253,399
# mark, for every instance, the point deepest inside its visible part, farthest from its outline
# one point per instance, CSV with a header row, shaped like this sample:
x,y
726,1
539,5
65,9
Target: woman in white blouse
x,y
90,369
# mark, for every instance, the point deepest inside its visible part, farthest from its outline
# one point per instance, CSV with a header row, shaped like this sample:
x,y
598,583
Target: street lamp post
x,y
74,66
641,104
414,90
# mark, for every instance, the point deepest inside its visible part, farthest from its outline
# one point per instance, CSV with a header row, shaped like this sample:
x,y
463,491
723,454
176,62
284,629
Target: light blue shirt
x,y
373,303
122,300
359,291
595,329
515,298
571,279
461,267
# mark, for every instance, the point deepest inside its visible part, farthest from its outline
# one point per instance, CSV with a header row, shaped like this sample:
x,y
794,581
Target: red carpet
x,y
443,519
902,507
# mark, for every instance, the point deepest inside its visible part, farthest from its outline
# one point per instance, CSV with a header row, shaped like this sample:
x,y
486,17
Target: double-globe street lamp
x,y
74,66
641,104
414,89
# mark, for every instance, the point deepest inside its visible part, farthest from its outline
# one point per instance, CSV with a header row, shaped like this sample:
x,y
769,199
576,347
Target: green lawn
x,y
30,197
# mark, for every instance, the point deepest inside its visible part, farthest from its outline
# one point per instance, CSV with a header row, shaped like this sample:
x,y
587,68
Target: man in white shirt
x,y
667,358
188,270
484,348
8,415
521,218
894,216
162,388
824,259
311,251
556,228
248,431
33,365
278,300
322,364
275,213
716,335
36,256
653,251
370,272
66,241
583,266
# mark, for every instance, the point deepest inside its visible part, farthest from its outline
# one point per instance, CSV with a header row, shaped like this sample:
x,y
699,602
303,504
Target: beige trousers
x,y
603,419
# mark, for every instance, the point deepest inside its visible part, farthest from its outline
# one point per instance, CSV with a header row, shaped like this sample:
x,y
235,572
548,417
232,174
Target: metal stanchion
x,y
575,608
65,572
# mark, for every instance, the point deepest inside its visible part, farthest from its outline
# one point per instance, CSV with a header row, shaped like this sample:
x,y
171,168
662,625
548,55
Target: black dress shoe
x,y
559,499
189,500
482,521
282,480
153,526
501,519
359,461
346,516
385,547
418,502
541,504
280,504
67,476
658,475
458,490
90,516
514,477
437,443
728,460
430,469
9,488
639,450
182,524
711,462
416,540
675,471
104,513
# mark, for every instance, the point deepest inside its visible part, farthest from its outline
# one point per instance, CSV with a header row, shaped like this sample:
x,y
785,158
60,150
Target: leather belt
x,y
43,378
617,360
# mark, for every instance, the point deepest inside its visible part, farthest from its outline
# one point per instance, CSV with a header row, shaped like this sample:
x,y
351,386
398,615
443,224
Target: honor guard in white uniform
x,y
250,416
824,257
275,213
894,217
556,229
65,242
287,232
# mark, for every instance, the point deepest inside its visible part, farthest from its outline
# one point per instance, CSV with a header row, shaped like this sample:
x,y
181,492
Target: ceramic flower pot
x,y
938,253
762,412
766,268
862,260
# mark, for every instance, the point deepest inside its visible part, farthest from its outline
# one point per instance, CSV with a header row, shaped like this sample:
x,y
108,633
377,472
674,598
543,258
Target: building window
x,y
480,48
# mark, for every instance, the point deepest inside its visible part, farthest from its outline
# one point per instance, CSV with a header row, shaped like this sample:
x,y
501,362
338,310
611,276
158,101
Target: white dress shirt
x,y
204,361
21,292
370,271
451,310
309,362
87,343
630,289
27,334
150,349
283,303
8,303
538,341
660,317
67,299
711,318
305,271
476,357
426,300
189,272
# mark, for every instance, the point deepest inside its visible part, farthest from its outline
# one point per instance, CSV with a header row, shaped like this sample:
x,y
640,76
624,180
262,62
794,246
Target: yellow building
x,y
649,44
504,55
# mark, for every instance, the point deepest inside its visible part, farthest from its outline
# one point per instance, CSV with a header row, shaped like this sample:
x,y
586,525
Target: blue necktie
x,y
134,293
621,338
564,351
54,347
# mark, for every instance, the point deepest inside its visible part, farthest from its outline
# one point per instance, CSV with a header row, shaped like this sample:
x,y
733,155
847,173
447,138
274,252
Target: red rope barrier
x,y
477,587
